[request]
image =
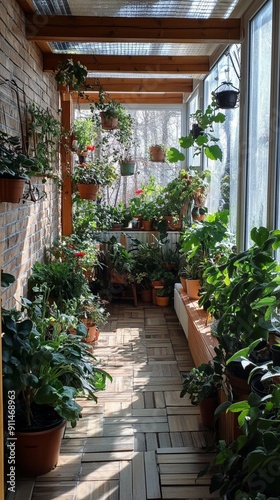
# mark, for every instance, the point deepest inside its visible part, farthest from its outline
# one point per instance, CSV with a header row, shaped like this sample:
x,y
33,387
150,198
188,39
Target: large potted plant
x,y
15,168
45,370
72,75
90,176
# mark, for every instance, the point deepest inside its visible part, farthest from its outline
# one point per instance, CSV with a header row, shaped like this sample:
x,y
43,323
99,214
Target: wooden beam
x,y
27,7
145,85
134,98
124,29
133,64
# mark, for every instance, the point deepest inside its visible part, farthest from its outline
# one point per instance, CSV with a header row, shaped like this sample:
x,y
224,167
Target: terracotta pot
x,y
162,301
38,452
93,332
156,154
157,283
11,190
147,225
184,283
171,225
88,191
118,278
110,123
193,287
207,409
146,295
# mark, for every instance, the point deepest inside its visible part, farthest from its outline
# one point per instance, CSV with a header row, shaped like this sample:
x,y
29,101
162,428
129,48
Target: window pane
x,y
259,116
223,186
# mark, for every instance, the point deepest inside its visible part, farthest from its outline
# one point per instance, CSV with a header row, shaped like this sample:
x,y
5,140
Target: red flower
x,y
69,245
79,254
90,148
139,191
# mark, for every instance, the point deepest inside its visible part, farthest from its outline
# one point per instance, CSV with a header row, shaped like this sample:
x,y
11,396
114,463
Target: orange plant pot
x,y
147,225
146,295
11,190
110,123
157,154
193,287
88,191
162,301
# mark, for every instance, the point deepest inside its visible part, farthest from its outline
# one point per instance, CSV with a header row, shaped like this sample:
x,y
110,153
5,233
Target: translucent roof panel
x,y
133,49
200,9
92,74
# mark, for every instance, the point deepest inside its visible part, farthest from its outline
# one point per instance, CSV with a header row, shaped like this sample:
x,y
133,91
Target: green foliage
x,y
205,142
243,292
13,163
85,132
64,279
46,134
74,74
95,172
47,371
202,382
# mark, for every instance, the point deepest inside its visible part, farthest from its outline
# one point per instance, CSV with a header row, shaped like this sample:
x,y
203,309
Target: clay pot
x,y
146,295
11,190
108,123
88,191
38,452
193,287
162,301
157,154
147,225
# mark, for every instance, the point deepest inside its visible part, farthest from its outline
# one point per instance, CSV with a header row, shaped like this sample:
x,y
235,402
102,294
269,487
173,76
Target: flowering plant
x,y
95,172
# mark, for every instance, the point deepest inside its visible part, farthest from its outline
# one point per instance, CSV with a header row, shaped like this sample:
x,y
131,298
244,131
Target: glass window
x,y
259,116
224,174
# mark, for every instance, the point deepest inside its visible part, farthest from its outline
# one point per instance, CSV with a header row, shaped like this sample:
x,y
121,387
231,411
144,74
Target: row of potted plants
x,y
47,354
241,293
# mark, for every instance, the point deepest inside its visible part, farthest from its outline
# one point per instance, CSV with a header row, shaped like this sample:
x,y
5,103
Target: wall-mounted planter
x,y
11,190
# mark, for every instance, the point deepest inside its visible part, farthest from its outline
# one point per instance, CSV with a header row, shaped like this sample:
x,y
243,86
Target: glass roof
x,y
136,8
133,49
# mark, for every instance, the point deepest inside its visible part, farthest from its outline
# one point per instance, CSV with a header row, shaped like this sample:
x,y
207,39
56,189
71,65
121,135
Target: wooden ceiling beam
x,y
124,29
134,98
133,64
144,85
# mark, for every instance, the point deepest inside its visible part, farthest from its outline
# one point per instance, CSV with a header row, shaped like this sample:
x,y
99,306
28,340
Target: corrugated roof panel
x,y
200,9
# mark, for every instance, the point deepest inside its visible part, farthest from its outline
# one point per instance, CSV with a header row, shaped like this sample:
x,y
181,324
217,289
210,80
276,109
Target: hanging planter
x,y
11,190
88,191
127,167
226,95
157,153
108,122
196,130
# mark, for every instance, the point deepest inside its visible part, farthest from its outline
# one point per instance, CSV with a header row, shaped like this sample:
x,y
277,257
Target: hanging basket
x,y
88,191
108,123
157,154
227,96
127,167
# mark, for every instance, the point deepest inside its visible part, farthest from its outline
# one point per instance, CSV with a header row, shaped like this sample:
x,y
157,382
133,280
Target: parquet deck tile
x,y
141,441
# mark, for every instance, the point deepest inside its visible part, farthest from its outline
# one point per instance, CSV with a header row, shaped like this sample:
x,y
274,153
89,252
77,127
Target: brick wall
x,y
28,227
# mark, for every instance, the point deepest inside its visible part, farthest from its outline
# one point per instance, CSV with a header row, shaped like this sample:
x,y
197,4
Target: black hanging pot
x,y
226,95
196,130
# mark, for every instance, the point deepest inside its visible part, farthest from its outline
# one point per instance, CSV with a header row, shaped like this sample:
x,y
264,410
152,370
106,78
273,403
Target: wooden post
x,y
66,170
2,481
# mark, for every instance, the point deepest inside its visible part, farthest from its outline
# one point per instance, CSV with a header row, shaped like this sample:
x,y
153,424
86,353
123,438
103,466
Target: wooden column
x,y
1,401
66,162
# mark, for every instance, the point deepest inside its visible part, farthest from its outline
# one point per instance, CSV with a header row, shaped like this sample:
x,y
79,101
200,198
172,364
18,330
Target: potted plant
x,y
15,168
45,375
226,95
112,115
244,469
157,153
118,260
201,138
92,312
65,280
163,295
95,173
72,74
84,132
202,385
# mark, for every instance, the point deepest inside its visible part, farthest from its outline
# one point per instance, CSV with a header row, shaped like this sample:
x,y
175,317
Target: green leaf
x,y
214,152
174,155
186,142
259,235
